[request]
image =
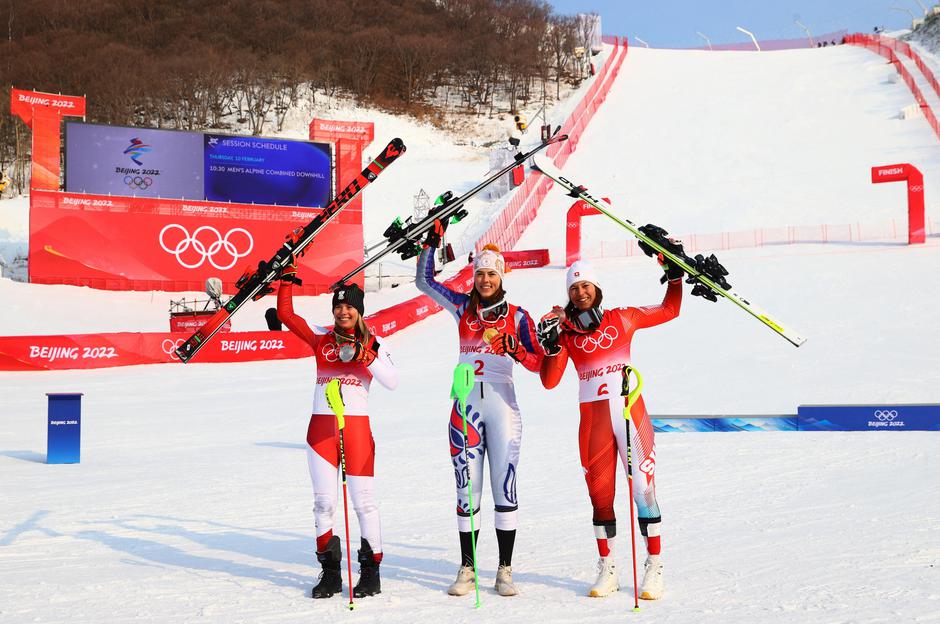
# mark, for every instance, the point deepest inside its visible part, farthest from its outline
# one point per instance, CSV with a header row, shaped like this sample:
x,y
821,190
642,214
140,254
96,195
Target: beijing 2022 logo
x,y
136,149
885,418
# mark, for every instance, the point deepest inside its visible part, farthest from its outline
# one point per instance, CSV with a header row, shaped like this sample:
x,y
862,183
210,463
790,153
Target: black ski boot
x,y
369,583
331,582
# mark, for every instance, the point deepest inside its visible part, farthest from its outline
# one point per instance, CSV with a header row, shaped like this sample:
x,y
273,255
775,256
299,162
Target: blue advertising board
x,y
883,417
267,171
64,435
666,424
147,162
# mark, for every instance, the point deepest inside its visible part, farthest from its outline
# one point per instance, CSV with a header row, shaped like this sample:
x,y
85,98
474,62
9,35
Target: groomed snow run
x,y
193,504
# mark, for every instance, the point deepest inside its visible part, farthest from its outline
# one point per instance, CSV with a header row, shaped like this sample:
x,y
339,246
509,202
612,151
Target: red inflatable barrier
x,y
84,351
904,172
20,353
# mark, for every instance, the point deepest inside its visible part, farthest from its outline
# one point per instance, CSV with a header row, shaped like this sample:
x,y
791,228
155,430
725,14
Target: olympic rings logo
x,y
604,340
170,346
330,352
886,415
138,182
204,251
475,324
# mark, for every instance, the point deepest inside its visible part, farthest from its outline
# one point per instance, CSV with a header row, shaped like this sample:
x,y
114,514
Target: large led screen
x,y
112,160
148,162
266,171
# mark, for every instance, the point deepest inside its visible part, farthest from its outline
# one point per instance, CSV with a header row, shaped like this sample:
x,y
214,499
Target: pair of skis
x,y
706,274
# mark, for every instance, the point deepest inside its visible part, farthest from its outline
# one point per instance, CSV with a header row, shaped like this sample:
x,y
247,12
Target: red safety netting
x,y
889,47
884,231
524,204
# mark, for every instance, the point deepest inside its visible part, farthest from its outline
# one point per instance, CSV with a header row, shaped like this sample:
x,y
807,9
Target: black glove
x,y
548,332
672,270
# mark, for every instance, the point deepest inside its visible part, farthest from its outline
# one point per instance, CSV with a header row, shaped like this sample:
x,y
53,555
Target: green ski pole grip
x,y
334,398
631,395
463,385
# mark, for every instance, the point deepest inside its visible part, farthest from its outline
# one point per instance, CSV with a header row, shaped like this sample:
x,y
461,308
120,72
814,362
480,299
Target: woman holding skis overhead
x,y
493,335
598,342
354,355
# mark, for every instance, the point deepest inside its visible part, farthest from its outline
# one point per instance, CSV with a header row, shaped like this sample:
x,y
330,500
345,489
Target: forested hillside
x,y
192,64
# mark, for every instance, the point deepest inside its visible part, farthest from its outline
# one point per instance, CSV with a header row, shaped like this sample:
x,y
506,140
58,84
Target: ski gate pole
x,y
629,398
334,397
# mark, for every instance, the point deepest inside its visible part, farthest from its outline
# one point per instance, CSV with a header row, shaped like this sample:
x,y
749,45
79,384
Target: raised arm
x,y
450,300
294,322
649,316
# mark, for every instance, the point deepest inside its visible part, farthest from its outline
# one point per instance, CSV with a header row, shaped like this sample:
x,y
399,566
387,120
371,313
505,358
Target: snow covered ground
x,y
192,501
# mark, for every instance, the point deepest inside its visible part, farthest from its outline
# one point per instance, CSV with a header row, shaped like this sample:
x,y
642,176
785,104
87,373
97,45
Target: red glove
x,y
436,234
507,344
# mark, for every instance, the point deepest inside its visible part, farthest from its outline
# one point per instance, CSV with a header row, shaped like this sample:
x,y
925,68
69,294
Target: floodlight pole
x,y
905,10
707,40
812,43
751,35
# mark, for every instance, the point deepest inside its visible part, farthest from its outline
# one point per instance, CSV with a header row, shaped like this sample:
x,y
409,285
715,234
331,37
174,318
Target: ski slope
x,y
193,504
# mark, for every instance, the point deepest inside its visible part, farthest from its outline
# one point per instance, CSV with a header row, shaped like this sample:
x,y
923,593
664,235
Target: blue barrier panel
x,y
666,424
64,439
885,417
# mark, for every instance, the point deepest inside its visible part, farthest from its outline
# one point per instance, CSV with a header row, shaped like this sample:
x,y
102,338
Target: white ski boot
x,y
504,585
607,581
652,586
464,583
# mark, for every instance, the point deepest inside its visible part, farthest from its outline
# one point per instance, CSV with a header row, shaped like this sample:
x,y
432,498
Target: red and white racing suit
x,y
599,357
323,434
494,423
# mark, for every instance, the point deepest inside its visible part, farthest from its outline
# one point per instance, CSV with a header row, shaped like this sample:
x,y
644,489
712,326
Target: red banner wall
x,y
137,243
25,353
21,353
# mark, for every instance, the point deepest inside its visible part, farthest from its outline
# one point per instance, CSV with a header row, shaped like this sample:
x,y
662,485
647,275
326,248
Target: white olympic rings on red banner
x,y
208,252
170,346
603,340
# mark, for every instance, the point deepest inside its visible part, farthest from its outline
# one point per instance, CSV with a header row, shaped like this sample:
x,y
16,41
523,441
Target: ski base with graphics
x,y
254,284
405,238
706,274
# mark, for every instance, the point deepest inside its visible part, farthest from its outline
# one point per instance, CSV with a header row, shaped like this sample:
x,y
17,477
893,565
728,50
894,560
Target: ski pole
x,y
460,390
334,397
630,397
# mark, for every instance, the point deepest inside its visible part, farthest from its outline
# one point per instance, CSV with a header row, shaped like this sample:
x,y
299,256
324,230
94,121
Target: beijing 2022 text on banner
x,y
147,162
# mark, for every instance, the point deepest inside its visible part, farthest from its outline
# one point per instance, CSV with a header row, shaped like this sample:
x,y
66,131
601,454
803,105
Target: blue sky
x,y
673,23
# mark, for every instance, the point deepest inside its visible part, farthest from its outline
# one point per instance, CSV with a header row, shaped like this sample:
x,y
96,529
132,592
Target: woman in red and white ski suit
x,y
351,353
598,341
